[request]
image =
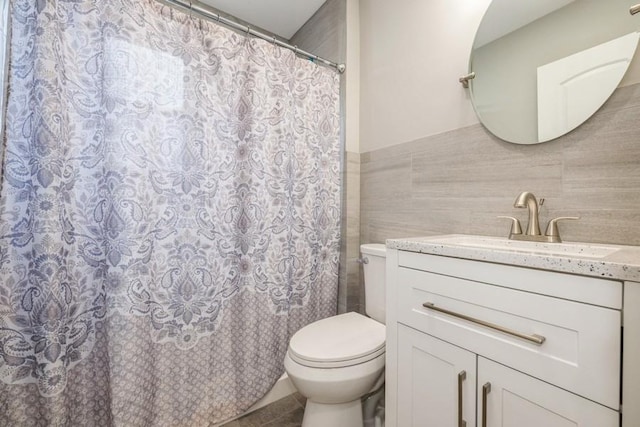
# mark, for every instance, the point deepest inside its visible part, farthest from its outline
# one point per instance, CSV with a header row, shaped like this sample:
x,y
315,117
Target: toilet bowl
x,y
333,363
336,361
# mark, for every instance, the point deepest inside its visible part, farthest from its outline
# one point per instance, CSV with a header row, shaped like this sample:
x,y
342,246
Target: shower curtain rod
x,y
204,11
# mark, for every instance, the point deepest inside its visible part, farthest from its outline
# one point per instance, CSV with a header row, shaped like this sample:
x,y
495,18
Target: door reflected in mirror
x,y
543,67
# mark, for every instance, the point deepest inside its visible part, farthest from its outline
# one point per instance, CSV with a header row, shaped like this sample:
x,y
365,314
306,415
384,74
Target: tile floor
x,y
286,412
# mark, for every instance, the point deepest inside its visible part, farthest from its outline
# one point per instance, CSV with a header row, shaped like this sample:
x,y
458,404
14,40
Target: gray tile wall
x,y
351,235
242,22
459,181
325,35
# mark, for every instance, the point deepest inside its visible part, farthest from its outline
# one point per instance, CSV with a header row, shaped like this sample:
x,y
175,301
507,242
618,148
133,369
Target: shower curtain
x,y
169,214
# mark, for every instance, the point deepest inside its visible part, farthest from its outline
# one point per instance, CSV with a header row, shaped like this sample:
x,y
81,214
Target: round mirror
x,y
543,67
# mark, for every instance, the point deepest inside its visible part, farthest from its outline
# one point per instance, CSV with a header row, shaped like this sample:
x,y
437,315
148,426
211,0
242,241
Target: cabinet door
x,y
513,399
436,382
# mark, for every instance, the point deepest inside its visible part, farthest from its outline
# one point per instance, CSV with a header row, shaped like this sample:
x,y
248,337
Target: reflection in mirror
x,y
545,66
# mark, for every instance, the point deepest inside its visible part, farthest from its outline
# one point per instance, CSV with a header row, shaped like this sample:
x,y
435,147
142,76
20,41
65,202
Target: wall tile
x,y
459,181
385,183
325,32
354,293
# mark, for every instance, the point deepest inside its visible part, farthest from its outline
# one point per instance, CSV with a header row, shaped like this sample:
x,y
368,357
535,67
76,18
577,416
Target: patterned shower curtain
x,y
169,214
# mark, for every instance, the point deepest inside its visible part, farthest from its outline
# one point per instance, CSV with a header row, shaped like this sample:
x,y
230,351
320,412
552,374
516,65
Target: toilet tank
x,y
375,255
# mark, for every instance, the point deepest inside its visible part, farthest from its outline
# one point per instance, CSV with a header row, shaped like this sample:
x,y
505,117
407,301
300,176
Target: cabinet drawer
x,y
582,342
590,290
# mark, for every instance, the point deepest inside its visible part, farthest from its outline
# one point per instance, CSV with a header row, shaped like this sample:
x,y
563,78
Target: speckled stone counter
x,y
610,261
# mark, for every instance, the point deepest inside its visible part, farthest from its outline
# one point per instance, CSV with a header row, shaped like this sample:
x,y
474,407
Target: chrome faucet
x,y
529,201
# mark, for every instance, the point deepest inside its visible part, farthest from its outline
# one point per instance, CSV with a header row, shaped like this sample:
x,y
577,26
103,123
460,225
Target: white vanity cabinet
x,y
473,343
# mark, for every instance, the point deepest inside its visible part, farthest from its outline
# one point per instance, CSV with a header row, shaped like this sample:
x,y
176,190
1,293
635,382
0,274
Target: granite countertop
x,y
595,260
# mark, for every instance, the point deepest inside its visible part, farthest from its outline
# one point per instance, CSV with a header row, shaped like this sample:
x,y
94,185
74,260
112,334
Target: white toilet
x,y
335,361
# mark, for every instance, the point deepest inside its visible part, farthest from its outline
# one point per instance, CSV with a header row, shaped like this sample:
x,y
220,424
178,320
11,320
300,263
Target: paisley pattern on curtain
x,y
169,214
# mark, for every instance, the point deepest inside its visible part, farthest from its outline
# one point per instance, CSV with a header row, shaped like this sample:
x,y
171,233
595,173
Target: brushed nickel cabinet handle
x,y
461,377
486,389
535,339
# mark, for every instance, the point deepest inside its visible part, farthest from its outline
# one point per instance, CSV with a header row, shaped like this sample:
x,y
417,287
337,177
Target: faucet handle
x,y
515,225
552,227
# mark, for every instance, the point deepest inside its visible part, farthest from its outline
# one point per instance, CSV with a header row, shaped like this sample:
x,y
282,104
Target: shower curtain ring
x,y
295,49
274,40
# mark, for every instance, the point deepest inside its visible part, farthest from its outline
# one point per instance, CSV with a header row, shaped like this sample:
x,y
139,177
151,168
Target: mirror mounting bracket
x,y
465,79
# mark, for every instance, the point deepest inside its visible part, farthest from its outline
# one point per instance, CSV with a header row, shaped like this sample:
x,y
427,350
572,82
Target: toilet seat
x,y
339,341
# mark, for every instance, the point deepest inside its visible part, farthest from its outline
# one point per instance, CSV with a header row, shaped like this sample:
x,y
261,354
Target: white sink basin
x,y
580,250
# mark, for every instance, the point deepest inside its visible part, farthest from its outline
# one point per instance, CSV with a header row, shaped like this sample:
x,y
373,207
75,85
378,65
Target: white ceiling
x,y
281,17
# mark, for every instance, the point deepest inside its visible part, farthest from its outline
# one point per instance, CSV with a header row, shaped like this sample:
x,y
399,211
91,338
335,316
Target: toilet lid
x,y
343,340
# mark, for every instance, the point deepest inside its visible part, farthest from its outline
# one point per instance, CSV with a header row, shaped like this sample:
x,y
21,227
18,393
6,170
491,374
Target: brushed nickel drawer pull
x,y
486,389
461,377
536,339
